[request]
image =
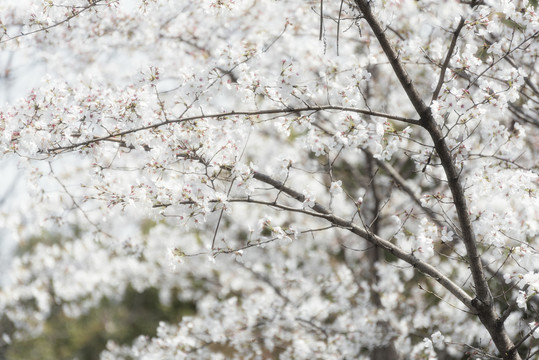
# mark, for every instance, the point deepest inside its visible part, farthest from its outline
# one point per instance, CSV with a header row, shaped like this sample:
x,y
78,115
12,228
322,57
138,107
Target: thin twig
x,y
339,26
524,338
46,28
321,19
448,59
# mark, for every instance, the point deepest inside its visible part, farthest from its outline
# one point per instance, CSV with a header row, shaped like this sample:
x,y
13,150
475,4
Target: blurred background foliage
x,y
85,337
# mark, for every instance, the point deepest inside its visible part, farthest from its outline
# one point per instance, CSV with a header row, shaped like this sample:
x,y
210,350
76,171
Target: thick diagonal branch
x,y
374,239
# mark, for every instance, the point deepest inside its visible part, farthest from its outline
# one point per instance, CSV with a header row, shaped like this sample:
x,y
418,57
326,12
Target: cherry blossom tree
x,y
324,179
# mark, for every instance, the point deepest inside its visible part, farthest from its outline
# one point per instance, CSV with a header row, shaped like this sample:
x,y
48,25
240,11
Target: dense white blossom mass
x,y
324,179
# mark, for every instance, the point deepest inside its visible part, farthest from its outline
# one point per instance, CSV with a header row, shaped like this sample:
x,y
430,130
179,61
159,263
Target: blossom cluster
x,y
263,159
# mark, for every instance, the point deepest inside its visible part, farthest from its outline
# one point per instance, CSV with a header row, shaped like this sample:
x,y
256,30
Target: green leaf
x,y
482,53
513,24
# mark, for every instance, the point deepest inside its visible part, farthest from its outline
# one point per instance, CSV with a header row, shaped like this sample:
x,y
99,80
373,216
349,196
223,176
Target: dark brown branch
x,y
428,122
293,193
524,338
483,303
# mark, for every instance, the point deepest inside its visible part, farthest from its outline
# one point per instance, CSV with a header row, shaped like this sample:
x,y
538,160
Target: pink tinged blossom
x,y
309,200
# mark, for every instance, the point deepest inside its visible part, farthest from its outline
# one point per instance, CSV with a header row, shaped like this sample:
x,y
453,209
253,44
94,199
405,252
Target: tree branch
x,y
427,121
483,302
447,59
423,267
524,338
393,58
82,9
236,113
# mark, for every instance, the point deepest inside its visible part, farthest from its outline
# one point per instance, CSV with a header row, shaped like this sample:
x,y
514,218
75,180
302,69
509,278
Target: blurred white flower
x,y
309,200
336,187
521,299
437,339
